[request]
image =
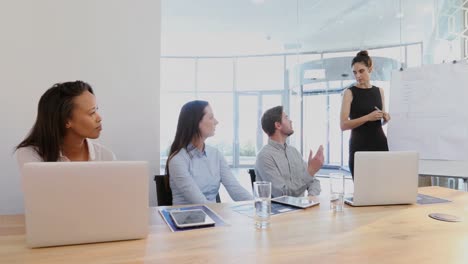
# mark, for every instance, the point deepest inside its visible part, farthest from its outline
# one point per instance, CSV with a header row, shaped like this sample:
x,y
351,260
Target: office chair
x,y
164,192
252,176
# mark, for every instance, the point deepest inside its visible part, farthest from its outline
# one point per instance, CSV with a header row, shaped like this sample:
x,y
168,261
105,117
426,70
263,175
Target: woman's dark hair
x,y
190,117
362,57
54,110
270,117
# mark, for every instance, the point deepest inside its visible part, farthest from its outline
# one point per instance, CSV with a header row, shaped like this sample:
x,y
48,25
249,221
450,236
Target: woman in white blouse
x,y
67,118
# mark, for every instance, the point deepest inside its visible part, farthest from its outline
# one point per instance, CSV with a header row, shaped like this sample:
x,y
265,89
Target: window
x,y
260,73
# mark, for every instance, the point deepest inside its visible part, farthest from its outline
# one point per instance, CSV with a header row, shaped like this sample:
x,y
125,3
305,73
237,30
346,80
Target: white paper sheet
x,y
429,110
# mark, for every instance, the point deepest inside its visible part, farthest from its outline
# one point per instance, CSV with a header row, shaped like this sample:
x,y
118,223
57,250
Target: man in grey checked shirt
x,y
282,164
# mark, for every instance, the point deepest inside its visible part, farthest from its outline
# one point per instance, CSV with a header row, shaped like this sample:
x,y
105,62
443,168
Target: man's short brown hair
x,y
270,117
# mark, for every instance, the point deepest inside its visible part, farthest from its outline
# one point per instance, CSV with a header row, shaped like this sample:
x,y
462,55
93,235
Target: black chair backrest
x,y
252,176
163,190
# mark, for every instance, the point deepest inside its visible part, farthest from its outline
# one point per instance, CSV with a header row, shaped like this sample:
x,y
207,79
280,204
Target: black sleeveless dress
x,y
369,136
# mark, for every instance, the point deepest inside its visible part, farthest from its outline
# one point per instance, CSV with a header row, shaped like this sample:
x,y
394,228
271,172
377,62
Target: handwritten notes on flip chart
x,y
429,110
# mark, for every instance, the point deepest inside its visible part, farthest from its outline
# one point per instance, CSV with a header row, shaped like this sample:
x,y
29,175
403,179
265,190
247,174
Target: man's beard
x,y
289,133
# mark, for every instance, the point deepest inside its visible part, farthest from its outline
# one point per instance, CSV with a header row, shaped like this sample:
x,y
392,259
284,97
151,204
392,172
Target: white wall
x,y
112,44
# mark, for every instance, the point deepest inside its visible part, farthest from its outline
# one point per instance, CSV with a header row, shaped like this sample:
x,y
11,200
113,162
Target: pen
x,y
376,108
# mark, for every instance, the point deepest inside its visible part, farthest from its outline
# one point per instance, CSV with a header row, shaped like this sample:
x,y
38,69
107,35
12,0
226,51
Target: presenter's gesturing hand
x,y
386,117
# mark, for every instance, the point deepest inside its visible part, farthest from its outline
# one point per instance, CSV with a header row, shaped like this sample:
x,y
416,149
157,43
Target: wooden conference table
x,y
378,234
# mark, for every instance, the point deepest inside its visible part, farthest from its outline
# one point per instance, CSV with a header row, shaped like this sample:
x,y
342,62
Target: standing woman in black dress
x,y
362,111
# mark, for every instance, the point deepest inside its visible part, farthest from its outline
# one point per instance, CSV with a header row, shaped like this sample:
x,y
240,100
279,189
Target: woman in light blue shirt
x,y
196,170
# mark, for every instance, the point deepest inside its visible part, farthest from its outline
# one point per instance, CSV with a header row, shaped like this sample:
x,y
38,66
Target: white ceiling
x,y
239,27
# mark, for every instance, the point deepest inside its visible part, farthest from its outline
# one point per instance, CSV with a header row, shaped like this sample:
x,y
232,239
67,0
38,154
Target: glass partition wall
x,y
247,56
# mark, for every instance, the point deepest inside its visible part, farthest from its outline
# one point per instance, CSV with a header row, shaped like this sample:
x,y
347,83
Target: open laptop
x,y
385,177
84,202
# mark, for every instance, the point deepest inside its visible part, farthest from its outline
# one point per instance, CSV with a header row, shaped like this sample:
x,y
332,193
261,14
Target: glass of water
x,y
262,196
337,191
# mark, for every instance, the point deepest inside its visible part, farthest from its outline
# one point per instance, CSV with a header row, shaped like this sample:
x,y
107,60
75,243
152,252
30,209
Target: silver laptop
x,y
385,177
84,202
